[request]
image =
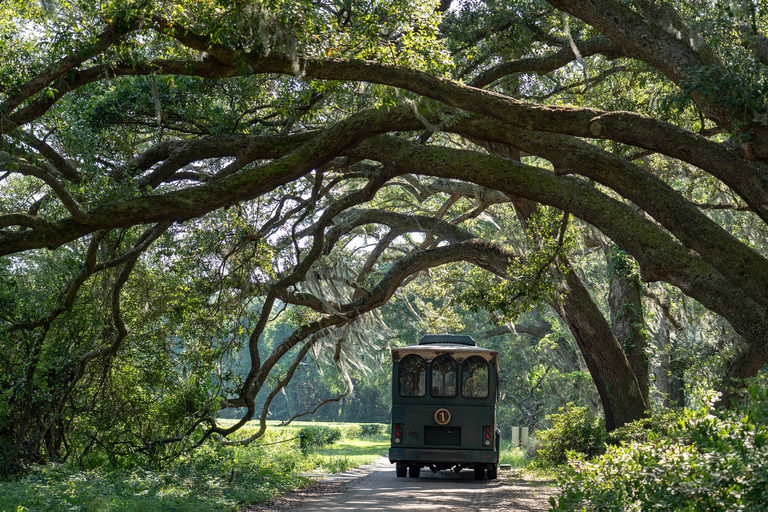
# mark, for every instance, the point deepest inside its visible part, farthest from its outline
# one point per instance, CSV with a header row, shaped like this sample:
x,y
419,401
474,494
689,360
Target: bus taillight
x,y
398,433
487,435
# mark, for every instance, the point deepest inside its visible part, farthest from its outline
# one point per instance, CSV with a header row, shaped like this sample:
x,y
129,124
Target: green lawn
x,y
351,453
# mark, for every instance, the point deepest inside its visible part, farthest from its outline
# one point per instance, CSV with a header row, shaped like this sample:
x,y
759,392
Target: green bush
x,y
709,460
316,436
373,429
350,430
357,430
211,477
574,429
660,423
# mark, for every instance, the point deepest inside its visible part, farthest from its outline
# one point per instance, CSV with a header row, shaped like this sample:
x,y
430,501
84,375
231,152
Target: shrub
x,y
374,429
709,460
660,423
573,429
350,430
317,436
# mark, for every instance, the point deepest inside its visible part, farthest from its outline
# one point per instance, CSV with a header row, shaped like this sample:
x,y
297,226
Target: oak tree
x,y
247,147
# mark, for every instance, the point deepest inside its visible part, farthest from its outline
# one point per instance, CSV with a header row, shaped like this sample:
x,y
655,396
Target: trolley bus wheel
x,y
401,469
414,471
479,474
493,473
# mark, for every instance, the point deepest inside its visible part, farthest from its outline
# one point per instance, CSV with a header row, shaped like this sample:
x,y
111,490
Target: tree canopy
x,y
176,177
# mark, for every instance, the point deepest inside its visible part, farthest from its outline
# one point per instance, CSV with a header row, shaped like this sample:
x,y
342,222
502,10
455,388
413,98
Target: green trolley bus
x,y
444,393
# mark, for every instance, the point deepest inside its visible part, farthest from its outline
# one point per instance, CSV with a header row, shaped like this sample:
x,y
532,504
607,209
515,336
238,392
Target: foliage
x,y
659,424
574,429
374,429
621,264
212,478
317,436
513,455
533,278
201,202
707,460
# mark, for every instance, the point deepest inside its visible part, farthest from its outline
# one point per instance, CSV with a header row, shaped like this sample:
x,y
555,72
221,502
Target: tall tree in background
x,y
173,175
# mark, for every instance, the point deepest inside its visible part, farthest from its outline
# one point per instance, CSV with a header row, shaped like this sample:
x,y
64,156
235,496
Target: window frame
x,y
465,378
421,377
455,374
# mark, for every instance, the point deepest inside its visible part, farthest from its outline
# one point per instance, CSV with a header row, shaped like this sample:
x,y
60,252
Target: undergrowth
x,y
691,460
213,477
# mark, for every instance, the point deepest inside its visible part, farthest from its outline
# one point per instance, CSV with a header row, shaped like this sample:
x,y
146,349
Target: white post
x,y
515,436
524,436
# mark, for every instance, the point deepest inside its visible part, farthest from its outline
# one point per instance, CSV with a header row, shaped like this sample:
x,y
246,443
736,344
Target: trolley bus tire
x,y
414,471
479,474
493,473
401,469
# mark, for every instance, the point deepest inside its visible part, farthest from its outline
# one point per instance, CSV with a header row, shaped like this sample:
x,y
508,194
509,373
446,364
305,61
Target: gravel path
x,y
376,488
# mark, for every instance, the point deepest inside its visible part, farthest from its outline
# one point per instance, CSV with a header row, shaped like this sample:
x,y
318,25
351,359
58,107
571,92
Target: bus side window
x,y
443,376
474,377
413,376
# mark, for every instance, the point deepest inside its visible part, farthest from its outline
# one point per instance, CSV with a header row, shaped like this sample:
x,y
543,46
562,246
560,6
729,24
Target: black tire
x,y
479,474
414,471
493,473
401,469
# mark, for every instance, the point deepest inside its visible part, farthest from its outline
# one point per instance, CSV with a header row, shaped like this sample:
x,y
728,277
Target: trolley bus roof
x,y
454,339
458,352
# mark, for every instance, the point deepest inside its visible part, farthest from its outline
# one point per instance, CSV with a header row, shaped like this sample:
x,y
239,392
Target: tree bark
x,y
747,362
615,377
616,383
661,258
669,375
627,320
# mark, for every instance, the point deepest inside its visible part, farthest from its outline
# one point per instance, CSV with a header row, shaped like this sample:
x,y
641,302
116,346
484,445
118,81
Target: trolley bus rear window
x,y
413,376
443,377
474,377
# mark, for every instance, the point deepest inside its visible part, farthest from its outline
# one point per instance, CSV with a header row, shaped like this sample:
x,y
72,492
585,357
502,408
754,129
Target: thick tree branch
x,y
619,126
111,35
599,45
646,40
660,257
27,169
56,160
730,256
195,201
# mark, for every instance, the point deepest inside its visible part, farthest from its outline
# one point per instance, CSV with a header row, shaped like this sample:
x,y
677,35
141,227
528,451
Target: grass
x,y
513,456
212,478
351,453
521,466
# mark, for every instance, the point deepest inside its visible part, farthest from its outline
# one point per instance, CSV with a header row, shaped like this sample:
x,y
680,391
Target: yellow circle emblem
x,y
442,416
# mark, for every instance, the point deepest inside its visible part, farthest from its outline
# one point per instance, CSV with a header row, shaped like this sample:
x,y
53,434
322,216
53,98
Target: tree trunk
x,y
619,390
677,386
627,321
616,380
670,374
744,365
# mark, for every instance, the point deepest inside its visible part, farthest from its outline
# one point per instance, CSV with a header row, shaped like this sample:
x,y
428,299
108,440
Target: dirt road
x,y
376,488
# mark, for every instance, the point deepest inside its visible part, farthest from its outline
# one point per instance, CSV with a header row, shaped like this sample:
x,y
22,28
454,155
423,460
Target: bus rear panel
x,y
444,394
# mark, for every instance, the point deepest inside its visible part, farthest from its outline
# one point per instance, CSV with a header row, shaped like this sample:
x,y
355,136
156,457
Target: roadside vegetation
x,y
216,477
677,459
211,478
513,455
